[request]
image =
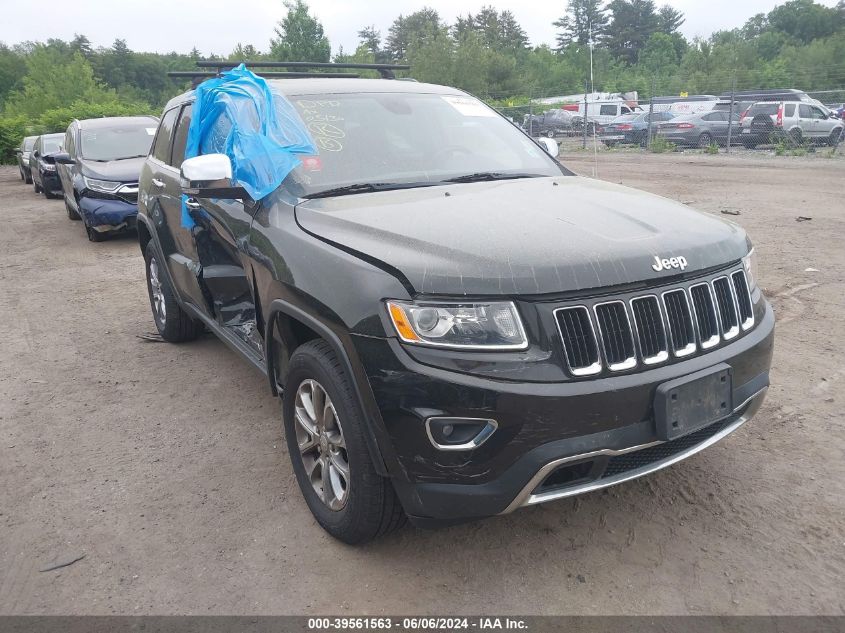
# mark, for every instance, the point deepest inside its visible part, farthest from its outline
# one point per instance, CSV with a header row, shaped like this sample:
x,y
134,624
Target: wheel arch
x,y
289,326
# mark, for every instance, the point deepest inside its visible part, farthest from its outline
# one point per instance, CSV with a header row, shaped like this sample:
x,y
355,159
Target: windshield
x,y
28,142
128,140
51,144
409,138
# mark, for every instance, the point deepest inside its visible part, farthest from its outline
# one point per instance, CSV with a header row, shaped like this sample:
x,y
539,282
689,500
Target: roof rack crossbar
x,y
385,70
201,74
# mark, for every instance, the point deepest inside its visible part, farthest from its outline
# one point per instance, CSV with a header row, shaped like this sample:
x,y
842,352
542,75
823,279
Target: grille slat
x,y
681,330
728,318
579,340
617,338
705,315
650,332
743,299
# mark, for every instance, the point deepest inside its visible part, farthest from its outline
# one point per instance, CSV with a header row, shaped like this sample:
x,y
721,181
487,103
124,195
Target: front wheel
x,y
27,177
172,322
71,214
835,138
705,140
324,430
35,187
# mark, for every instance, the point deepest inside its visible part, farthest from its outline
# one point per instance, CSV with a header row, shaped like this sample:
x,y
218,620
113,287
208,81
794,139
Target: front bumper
x,y
50,182
542,427
104,215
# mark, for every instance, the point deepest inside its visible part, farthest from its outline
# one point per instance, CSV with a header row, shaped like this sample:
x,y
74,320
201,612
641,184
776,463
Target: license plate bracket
x,y
689,403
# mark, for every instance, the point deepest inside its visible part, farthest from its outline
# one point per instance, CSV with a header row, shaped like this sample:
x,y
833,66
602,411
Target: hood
x,y
529,236
126,170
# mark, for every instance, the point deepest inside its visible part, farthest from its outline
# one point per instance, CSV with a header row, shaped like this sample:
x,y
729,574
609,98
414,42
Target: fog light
x,y
459,434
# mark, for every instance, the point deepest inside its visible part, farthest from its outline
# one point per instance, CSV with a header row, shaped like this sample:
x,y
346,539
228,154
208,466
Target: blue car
x,y
99,170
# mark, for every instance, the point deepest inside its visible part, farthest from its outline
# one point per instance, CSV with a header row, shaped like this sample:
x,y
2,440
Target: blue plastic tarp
x,y
238,114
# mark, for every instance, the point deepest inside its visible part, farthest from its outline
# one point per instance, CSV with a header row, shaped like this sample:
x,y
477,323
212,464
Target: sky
x,y
214,26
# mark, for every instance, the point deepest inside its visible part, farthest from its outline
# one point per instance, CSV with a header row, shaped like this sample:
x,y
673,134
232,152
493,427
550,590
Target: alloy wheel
x,y
156,292
322,447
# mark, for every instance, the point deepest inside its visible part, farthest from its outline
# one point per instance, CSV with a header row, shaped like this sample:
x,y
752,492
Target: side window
x,y
626,110
789,110
180,137
68,142
817,114
804,111
161,147
608,110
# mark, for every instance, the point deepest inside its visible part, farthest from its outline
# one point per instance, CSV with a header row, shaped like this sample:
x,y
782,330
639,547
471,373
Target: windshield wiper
x,y
483,176
128,157
368,187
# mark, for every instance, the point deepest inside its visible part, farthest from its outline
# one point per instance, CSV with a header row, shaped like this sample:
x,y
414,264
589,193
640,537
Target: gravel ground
x,y
166,468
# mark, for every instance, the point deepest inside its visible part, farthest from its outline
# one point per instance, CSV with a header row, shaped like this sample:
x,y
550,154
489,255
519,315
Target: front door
x,y
221,238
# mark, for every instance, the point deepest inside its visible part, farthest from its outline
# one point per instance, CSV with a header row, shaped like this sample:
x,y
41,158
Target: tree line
x,y
635,44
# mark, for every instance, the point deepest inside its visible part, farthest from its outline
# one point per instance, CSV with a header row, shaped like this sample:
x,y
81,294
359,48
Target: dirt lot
x,y
165,465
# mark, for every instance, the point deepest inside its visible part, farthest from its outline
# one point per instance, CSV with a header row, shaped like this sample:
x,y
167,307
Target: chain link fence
x,y
726,119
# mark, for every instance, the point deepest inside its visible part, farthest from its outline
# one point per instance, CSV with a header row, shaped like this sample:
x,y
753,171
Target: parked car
x,y
700,130
632,128
549,124
42,165
23,158
457,325
99,171
795,121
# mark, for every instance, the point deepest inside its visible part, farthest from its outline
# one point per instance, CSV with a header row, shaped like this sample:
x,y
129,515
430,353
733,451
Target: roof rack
x,y
385,70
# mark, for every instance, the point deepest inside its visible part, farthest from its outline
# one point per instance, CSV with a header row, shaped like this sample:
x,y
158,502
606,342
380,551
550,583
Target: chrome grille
x,y
621,334
617,340
579,340
726,302
651,335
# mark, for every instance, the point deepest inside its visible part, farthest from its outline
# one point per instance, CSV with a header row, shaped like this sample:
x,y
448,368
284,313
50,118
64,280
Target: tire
x,y
94,236
35,187
835,138
796,138
49,195
173,323
28,178
705,140
23,177
366,507
71,214
550,133
749,144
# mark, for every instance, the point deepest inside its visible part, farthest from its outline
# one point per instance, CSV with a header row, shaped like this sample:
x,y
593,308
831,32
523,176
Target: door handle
x,y
157,183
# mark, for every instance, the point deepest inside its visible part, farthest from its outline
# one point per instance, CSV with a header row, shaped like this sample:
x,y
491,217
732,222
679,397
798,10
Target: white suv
x,y
768,121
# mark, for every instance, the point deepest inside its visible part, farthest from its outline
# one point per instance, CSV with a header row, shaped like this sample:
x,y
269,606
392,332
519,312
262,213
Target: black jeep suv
x,y
456,324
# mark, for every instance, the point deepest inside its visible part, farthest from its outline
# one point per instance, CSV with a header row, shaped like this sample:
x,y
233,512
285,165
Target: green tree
x,y
805,20
299,36
12,71
582,17
53,80
632,23
669,19
414,31
659,56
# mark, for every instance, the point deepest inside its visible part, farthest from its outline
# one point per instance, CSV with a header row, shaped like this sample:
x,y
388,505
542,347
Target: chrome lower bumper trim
x,y
525,498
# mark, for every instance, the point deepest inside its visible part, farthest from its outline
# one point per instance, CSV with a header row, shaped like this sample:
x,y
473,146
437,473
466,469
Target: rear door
x,y
717,124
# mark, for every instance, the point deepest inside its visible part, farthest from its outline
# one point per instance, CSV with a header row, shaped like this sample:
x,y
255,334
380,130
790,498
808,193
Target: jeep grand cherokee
x,y
456,324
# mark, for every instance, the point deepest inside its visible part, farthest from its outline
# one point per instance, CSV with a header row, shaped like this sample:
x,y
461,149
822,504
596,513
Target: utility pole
x,y
731,115
584,118
650,110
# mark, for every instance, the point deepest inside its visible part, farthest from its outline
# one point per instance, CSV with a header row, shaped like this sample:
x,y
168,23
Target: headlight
x,y
750,264
106,186
488,325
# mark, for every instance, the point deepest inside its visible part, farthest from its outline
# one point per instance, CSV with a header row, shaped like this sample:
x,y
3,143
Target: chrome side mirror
x,y
209,176
550,145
